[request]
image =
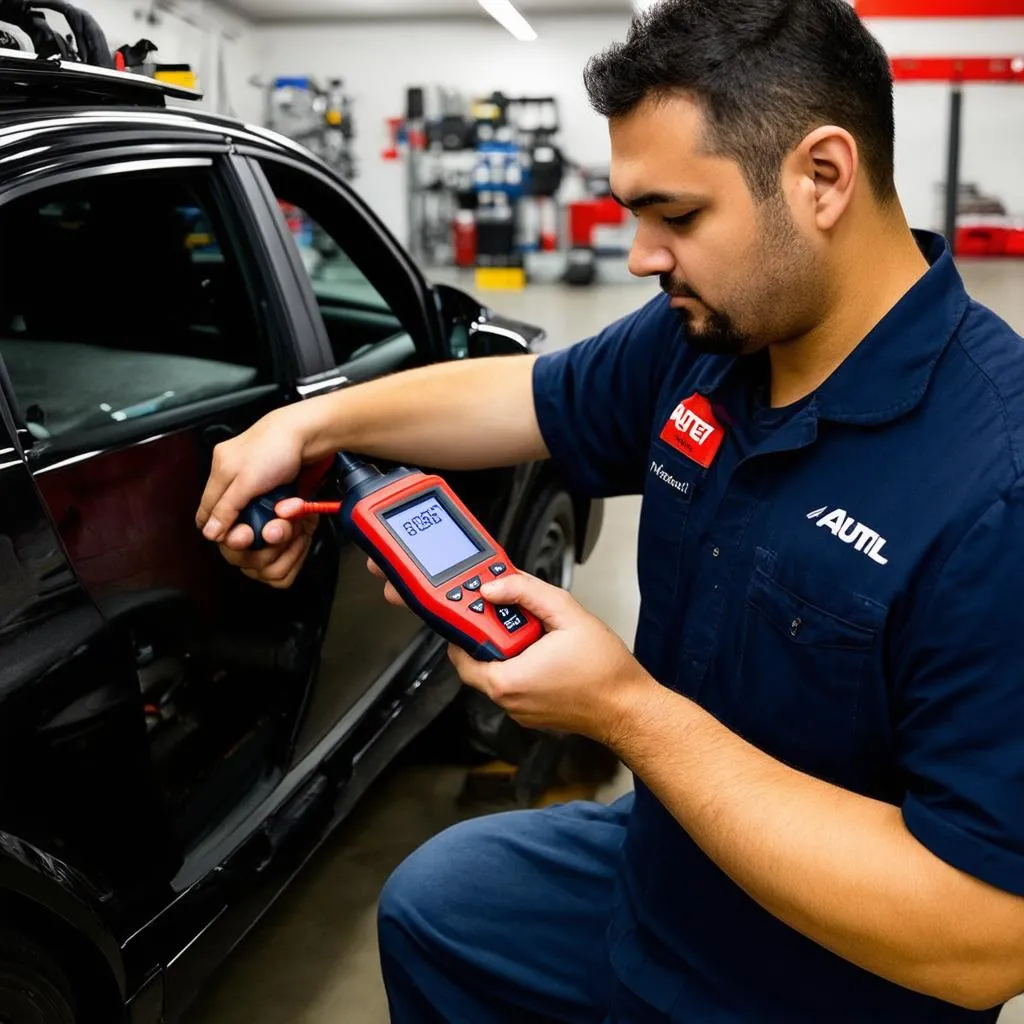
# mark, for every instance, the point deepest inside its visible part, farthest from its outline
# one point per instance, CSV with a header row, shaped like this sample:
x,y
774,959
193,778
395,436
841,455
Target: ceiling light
x,y
505,13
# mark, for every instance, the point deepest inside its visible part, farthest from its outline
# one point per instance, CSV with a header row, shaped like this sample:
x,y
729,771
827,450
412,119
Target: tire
x,y
34,989
545,547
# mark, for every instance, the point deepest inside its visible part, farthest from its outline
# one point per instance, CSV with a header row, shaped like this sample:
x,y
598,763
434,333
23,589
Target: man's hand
x,y
282,560
578,678
267,455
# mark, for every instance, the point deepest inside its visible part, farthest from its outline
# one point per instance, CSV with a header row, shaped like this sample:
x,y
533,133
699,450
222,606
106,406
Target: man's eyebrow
x,y
646,199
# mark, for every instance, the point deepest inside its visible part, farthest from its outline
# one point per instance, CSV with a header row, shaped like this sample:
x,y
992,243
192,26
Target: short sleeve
x,y
960,704
596,400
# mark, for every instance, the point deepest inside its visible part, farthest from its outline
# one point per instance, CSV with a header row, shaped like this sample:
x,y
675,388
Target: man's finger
x,y
392,596
289,508
375,569
284,569
240,538
276,533
548,603
476,674
212,493
244,558
224,514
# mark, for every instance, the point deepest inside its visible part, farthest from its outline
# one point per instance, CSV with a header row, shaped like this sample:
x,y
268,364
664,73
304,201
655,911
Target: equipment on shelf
x,y
319,118
484,176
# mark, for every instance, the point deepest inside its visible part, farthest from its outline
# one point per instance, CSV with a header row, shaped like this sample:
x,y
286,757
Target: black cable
x,y
348,463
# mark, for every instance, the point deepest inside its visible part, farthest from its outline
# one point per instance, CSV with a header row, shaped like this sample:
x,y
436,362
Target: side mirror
x,y
485,342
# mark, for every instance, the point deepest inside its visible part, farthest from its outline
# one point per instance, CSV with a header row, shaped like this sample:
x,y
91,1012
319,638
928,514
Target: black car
x,y
176,739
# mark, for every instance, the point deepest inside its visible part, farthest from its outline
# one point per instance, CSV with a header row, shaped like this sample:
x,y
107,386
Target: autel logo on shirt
x,y
849,531
693,430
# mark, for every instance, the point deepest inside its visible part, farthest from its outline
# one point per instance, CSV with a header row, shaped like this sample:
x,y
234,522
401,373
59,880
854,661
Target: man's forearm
x,y
471,414
838,867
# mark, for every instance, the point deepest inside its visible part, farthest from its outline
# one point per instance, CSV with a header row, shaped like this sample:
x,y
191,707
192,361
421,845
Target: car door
x,y
374,315
78,784
138,331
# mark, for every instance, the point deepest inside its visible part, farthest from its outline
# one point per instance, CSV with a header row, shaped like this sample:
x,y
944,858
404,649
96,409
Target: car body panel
x,y
105,583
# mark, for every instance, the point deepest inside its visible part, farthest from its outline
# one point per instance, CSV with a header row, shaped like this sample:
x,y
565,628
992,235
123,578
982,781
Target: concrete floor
x,y
313,959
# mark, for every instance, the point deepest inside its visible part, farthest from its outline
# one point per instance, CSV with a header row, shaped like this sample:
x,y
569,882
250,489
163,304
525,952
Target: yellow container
x,y
501,279
186,79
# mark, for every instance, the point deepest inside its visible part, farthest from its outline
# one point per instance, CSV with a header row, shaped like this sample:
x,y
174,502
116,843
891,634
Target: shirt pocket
x,y
809,650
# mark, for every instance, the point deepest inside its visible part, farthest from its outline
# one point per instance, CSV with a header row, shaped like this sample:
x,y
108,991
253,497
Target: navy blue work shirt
x,y
843,587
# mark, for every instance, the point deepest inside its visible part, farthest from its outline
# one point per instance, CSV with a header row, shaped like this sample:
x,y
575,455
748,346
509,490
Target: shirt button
x,y
715,552
794,627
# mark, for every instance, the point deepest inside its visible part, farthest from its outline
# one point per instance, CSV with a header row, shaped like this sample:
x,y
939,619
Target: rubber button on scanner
x,y
511,618
474,584
478,606
499,569
454,595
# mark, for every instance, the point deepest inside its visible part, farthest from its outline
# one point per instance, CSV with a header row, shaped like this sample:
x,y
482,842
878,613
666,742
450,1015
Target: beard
x,y
780,299
714,333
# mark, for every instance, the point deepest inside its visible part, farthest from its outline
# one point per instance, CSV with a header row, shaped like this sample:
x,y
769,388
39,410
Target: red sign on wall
x,y
958,69
940,8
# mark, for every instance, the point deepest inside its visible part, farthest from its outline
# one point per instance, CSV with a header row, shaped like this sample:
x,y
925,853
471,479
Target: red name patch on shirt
x,y
693,430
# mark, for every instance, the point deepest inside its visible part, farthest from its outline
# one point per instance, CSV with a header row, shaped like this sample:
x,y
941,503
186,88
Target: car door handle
x,y
218,432
321,384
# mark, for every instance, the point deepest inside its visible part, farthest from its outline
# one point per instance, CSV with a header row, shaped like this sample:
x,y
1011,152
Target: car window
x,y
333,275
357,317
118,301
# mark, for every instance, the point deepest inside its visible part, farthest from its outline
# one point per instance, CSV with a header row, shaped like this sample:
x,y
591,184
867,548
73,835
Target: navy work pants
x,y
503,919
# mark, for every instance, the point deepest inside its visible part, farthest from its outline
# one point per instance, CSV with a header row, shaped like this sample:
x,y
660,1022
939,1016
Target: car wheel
x,y
33,987
546,547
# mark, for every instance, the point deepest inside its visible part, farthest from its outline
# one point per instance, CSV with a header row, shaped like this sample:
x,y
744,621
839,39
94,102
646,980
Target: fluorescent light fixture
x,y
505,13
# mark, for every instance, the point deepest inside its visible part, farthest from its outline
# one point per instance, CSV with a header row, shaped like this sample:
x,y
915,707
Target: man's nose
x,y
648,258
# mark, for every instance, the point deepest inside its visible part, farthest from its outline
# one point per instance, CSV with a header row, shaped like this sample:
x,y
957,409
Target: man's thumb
x,y
548,603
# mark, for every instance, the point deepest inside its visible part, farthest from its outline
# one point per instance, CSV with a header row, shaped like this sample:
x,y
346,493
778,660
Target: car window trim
x,y
423,293
101,168
63,450
306,334
315,340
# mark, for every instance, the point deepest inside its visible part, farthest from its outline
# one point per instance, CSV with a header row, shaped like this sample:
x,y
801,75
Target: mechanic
x,y
825,705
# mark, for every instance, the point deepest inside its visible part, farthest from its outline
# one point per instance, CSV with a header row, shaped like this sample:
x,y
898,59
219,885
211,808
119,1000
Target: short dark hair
x,y
766,72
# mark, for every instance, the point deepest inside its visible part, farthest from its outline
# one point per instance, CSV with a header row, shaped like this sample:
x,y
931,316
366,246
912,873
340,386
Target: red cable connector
x,y
315,508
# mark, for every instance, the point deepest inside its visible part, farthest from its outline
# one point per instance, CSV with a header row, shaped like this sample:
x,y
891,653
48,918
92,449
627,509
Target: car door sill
x,y
270,794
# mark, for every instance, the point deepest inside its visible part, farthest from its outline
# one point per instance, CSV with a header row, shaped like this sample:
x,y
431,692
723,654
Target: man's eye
x,y
683,221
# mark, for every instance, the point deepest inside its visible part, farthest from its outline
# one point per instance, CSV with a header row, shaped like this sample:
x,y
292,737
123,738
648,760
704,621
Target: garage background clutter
x,y
382,47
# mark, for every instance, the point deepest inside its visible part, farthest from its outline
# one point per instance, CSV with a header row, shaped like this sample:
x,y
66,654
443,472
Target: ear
x,y
829,164
836,162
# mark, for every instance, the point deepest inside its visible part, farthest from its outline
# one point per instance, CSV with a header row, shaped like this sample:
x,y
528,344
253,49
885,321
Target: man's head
x,y
746,135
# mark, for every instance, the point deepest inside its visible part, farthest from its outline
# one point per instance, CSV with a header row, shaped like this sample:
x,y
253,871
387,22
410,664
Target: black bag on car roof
x,y
26,17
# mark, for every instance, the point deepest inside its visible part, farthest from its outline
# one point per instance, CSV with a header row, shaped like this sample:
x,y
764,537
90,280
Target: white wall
x,y
378,60
183,43
992,153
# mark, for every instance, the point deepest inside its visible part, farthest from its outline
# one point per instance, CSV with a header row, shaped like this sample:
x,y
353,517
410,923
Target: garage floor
x,y
313,959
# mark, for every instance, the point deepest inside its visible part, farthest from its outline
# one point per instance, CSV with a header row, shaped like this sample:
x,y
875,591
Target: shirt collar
x,y
888,373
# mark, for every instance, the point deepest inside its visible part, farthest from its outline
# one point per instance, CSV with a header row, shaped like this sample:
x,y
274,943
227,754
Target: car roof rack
x,y
29,80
